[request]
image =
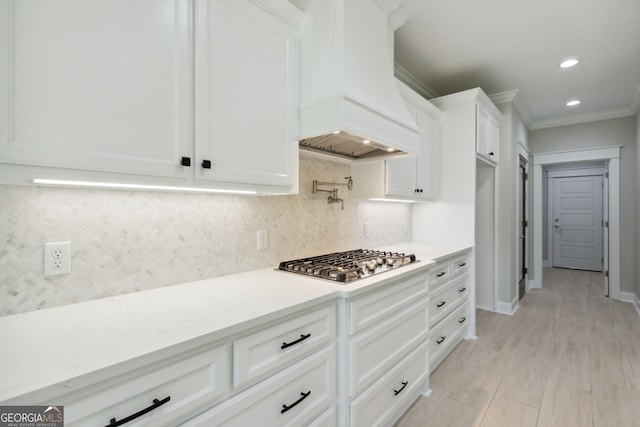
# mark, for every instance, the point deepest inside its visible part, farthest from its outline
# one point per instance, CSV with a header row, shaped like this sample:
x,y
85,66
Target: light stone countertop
x,y
49,352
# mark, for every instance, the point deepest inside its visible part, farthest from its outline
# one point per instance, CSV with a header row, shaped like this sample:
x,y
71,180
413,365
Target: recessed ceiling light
x,y
569,63
336,132
573,103
365,141
390,149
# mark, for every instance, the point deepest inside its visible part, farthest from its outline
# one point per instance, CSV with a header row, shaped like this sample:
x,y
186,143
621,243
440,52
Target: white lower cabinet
x,y
447,334
359,361
387,332
264,351
446,297
379,404
449,307
176,389
293,397
374,352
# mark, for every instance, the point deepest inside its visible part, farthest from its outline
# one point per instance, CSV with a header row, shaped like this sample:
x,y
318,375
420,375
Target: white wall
x,y
637,260
126,241
513,132
604,133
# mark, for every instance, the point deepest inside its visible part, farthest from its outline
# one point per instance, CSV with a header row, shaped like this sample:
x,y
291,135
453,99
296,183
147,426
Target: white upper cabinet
x,y
487,133
246,93
413,178
183,92
101,85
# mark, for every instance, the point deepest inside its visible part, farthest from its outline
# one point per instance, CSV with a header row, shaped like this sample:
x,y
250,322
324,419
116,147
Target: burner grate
x,y
347,266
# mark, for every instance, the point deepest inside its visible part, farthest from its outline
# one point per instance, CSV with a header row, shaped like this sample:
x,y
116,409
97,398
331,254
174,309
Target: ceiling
x,y
504,45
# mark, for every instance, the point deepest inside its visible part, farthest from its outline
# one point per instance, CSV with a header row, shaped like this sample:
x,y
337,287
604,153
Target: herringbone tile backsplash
x,y
127,241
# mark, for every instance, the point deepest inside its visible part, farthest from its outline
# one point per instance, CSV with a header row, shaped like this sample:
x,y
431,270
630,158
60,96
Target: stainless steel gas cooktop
x,y
344,267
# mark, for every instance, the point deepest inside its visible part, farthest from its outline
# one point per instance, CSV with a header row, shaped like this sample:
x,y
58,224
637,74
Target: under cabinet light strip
x,y
136,186
392,200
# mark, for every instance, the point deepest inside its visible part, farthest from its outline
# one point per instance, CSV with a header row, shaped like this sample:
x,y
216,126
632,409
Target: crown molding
x,y
583,118
518,104
635,101
398,11
412,81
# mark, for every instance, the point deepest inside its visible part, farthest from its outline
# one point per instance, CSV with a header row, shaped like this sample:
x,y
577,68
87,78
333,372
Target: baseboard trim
x,y
507,307
533,285
546,263
632,298
483,308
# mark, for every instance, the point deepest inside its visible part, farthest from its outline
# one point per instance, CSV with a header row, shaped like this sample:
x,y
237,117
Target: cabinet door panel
x,y
101,85
401,177
245,93
428,162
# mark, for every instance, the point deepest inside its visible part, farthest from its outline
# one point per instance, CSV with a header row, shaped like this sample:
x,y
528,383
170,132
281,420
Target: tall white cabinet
x,y
466,209
189,93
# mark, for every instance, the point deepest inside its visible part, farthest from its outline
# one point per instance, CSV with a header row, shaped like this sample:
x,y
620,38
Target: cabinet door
x,y
487,135
493,138
101,85
428,162
401,177
246,90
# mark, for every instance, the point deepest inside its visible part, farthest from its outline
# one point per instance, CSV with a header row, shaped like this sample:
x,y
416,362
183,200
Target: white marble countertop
x,y
47,352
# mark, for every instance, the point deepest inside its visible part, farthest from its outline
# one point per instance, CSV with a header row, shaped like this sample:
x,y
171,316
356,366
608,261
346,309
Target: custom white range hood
x,y
347,81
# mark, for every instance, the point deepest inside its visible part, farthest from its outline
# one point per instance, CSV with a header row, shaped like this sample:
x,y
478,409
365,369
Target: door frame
x,y
611,157
570,172
523,155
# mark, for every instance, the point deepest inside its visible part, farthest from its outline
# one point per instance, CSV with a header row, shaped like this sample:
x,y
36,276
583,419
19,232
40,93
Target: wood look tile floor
x,y
568,357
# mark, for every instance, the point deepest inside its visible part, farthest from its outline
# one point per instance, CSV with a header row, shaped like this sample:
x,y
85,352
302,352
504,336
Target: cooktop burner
x,y
348,266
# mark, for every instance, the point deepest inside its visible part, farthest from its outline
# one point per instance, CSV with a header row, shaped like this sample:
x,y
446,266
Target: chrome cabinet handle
x,y
442,273
461,290
461,320
441,304
441,340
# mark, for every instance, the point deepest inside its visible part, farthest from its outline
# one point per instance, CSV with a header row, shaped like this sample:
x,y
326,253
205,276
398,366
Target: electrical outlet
x,y
57,258
263,240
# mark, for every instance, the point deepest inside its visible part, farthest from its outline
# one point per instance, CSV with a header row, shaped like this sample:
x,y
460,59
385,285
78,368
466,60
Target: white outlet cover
x,y
57,258
263,240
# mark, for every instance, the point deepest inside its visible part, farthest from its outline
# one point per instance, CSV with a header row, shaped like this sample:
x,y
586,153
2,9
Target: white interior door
x,y
577,223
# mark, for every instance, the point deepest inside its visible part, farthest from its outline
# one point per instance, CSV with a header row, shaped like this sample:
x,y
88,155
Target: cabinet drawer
x,y
193,383
374,352
265,351
328,419
447,335
460,265
372,308
445,299
379,404
439,274
293,397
